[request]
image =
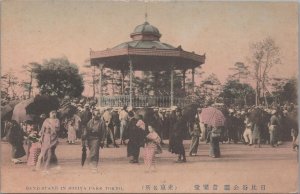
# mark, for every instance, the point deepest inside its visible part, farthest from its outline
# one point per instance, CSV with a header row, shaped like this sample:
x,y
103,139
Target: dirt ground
x,y
241,169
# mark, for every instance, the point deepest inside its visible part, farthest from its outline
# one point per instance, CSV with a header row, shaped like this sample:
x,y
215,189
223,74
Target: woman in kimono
x,y
214,139
49,140
151,147
194,131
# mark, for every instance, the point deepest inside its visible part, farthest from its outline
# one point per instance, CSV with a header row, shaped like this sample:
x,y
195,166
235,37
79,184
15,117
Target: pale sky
x,y
35,30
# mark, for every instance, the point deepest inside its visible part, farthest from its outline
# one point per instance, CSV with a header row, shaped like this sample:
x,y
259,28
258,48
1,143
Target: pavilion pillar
x,y
183,80
100,85
193,80
130,84
172,87
123,78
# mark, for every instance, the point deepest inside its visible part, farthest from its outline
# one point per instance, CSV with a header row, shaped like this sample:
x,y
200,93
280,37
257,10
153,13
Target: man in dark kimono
x,y
178,132
85,116
94,136
115,122
136,138
171,119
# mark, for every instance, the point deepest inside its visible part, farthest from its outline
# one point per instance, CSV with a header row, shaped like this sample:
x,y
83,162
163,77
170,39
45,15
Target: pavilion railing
x,y
143,101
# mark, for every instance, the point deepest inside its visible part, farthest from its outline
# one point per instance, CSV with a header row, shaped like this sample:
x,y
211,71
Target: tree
x,y
265,54
289,92
111,81
277,85
8,84
190,86
159,83
210,88
59,77
239,94
28,84
240,72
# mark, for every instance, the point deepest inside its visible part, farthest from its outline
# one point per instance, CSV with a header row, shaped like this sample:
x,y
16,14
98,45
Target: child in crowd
x,y
71,128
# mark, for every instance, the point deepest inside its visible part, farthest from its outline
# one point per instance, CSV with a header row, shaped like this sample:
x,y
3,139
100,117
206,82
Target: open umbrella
x,y
212,116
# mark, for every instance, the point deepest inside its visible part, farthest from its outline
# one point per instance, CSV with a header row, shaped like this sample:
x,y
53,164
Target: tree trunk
x,y
257,94
245,99
30,85
94,81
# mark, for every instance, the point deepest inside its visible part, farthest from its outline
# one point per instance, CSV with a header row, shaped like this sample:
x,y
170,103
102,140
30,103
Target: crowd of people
x,y
97,128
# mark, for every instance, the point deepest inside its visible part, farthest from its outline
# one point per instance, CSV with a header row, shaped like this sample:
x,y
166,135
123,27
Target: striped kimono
x,y
34,152
152,143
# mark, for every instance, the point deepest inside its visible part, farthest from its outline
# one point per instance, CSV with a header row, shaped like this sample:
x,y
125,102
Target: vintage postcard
x,y
149,96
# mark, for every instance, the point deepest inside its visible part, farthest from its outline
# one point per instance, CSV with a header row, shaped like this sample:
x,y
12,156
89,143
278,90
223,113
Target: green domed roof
x,y
146,29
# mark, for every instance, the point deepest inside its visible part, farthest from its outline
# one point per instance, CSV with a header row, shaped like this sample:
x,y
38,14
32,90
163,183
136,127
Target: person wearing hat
x,y
110,138
176,140
115,122
85,116
162,120
170,121
94,137
49,141
157,123
123,117
273,128
230,127
136,137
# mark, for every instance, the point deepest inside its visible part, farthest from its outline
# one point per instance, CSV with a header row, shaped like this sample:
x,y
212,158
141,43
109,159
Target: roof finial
x,y
146,14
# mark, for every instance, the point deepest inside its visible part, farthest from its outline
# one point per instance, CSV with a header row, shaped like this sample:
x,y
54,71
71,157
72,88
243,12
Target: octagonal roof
x,y
147,44
146,52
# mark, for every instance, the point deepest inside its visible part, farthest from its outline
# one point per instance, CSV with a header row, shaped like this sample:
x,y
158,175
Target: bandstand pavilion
x,y
144,52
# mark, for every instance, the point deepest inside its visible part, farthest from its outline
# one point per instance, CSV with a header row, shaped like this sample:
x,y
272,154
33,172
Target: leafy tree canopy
x,y
59,77
289,92
238,93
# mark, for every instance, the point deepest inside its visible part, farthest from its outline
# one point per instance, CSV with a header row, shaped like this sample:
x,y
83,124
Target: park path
x,y
241,169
